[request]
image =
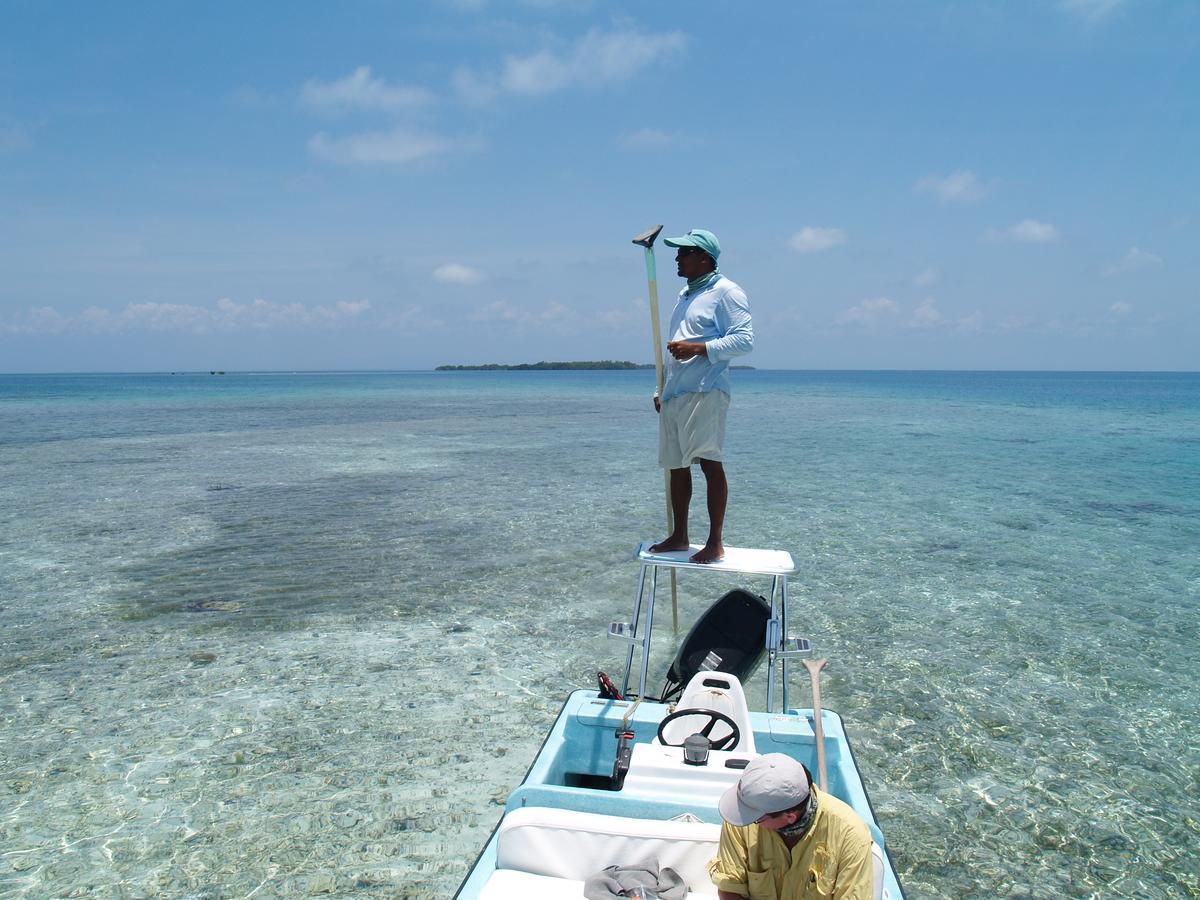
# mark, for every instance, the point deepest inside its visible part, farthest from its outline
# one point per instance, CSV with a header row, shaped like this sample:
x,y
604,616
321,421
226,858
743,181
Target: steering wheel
x,y
726,743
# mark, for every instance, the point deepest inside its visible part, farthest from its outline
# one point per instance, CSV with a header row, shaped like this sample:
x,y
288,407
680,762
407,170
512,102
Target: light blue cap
x,y
697,237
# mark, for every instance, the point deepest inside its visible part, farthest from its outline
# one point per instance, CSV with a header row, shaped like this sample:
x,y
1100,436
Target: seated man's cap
x,y
697,237
771,783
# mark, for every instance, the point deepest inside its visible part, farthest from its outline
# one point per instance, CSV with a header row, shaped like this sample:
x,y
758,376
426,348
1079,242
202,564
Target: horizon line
x,y
644,367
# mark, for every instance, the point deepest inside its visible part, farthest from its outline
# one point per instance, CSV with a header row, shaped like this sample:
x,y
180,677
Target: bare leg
x,y
718,497
681,499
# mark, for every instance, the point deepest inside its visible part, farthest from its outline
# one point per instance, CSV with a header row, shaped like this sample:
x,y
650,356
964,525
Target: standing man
x,y
784,839
709,326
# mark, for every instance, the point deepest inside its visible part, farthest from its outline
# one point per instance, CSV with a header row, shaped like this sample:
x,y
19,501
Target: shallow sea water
x,y
301,634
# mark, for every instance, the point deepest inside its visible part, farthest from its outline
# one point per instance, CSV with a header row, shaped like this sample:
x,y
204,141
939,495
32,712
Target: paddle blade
x,y
646,238
814,665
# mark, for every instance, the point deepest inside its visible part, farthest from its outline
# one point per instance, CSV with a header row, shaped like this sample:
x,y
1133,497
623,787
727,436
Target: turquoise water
x,y
291,634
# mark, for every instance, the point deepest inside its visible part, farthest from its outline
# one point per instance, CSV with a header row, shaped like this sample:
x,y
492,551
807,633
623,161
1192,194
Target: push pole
x,y
646,240
814,667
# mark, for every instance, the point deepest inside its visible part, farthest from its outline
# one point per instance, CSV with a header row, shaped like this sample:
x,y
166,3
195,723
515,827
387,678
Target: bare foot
x,y
670,544
709,553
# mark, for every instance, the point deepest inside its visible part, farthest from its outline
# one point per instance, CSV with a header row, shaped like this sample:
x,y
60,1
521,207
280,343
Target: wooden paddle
x,y
814,667
646,240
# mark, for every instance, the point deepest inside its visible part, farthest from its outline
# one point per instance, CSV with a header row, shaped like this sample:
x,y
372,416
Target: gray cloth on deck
x,y
616,882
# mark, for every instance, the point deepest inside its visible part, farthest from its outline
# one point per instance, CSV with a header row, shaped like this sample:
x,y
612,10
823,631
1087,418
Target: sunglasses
x,y
689,251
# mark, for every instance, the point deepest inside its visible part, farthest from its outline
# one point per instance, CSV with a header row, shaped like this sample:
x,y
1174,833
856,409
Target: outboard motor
x,y
730,637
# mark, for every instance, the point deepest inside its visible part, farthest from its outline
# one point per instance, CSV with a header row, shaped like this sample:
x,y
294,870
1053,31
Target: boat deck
x,y
575,763
572,771
572,782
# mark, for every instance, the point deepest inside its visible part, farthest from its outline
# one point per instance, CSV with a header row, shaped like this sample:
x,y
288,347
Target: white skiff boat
x,y
613,782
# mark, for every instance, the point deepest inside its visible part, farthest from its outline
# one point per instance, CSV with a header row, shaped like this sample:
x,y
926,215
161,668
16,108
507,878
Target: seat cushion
x,y
576,845
509,884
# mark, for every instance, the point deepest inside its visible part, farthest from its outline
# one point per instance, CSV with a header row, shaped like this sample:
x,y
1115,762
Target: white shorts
x,y
691,427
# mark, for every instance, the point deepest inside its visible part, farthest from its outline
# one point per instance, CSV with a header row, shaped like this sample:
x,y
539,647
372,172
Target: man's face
x,y
692,262
775,821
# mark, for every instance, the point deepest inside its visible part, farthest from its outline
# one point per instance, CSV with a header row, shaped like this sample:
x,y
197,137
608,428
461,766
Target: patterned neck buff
x,y
703,281
802,824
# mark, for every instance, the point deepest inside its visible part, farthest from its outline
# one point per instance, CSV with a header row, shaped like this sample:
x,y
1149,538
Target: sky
x,y
370,185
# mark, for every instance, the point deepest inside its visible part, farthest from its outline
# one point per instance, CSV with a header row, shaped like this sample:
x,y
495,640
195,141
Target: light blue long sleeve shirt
x,y
717,314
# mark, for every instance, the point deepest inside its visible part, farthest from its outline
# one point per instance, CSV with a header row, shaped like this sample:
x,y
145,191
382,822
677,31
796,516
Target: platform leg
x,y
783,635
649,632
772,650
637,612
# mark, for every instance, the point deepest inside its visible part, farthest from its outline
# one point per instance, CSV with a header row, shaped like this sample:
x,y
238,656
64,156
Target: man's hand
x,y
685,349
657,404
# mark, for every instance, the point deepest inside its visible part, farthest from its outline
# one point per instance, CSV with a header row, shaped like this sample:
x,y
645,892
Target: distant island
x,y
541,366
556,366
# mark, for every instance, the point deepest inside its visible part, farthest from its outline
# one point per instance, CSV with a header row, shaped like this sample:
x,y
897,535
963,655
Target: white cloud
x,y
165,316
395,147
618,318
412,319
961,186
360,91
868,312
1027,231
1120,309
927,278
971,324
265,314
352,308
553,313
927,314
599,57
456,273
884,315
1134,259
541,73
558,318
810,239
496,311
225,315
1011,324
37,320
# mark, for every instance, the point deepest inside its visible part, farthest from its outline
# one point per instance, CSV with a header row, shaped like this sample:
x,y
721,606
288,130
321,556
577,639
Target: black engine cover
x,y
734,629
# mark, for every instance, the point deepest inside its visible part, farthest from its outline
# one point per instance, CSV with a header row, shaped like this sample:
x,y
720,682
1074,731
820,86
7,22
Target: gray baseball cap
x,y
771,783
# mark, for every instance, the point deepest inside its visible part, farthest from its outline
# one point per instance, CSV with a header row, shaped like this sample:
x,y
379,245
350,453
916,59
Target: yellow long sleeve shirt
x,y
832,861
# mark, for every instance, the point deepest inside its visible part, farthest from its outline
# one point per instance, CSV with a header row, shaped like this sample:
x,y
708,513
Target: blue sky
x,y
1000,185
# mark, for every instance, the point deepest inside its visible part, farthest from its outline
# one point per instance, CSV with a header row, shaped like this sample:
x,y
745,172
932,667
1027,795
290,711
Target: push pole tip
x,y
646,238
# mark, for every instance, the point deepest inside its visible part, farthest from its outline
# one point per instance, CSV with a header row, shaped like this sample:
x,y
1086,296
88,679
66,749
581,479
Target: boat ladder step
x,y
624,631
796,648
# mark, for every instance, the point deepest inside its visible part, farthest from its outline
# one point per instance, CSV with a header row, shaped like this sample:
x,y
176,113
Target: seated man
x,y
783,839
